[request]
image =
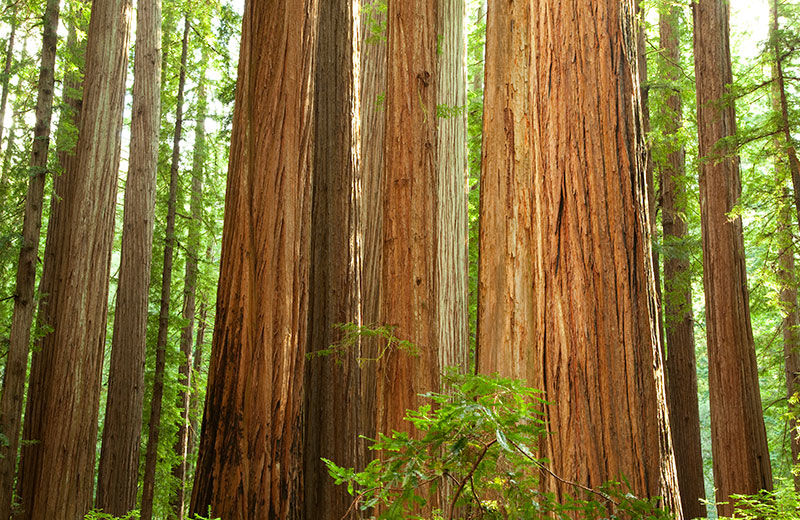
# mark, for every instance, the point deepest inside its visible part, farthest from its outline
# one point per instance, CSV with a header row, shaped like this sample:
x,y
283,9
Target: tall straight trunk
x,y
783,105
372,90
590,320
332,397
57,465
6,75
189,293
677,301
787,277
409,297
250,460
24,301
119,456
738,436
452,258
154,423
506,297
787,157
196,407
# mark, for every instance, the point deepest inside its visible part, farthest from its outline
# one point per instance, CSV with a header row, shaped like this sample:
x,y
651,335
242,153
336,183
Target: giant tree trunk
x,y
118,474
590,317
189,292
738,436
250,460
154,423
24,301
332,396
506,297
677,301
56,471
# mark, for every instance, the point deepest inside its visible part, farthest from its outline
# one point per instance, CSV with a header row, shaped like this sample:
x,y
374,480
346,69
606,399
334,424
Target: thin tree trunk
x,y
154,423
24,301
56,471
250,460
372,90
332,398
189,292
452,257
6,75
678,318
506,297
119,457
738,436
197,364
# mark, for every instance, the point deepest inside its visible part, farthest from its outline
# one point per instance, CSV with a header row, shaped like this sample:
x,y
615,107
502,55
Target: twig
x,y
469,476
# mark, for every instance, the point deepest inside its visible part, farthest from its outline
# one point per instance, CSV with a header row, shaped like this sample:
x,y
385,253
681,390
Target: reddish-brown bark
x,y
738,437
250,460
56,472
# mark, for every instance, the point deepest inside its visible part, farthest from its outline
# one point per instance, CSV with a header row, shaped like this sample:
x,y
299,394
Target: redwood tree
x,y
332,395
57,466
24,301
738,437
250,459
590,319
677,301
118,473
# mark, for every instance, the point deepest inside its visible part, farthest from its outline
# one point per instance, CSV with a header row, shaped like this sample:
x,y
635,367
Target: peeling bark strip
x,y
596,346
56,473
678,320
738,436
250,459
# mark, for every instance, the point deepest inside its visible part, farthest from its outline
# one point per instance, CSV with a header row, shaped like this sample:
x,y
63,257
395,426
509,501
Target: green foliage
x,y
94,514
351,336
374,14
474,446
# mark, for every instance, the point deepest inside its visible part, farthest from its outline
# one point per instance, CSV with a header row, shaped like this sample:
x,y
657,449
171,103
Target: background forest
x,y
126,145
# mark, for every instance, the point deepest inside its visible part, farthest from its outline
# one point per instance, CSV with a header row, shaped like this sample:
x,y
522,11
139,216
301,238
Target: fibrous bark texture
x,y
250,460
333,396
506,297
118,473
409,299
154,422
451,153
592,341
738,436
56,471
677,301
24,301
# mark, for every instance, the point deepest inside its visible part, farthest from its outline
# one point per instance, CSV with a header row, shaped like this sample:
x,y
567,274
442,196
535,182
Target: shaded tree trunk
x,y
118,473
738,436
250,460
154,423
189,292
24,300
372,90
56,471
677,301
332,397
